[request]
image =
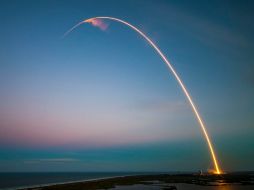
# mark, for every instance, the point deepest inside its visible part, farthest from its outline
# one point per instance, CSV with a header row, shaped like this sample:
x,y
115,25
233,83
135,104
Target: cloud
x,y
51,160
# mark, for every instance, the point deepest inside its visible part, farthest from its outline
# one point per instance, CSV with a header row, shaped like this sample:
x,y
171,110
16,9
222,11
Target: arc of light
x,y
193,106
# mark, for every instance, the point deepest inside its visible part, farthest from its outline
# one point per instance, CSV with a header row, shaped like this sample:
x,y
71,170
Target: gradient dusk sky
x,y
103,100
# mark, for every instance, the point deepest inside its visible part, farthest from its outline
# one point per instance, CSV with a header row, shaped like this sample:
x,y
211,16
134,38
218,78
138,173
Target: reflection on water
x,y
220,187
182,186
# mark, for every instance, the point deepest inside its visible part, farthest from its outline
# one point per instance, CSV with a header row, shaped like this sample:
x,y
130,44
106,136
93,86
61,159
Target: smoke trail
x,y
96,21
69,31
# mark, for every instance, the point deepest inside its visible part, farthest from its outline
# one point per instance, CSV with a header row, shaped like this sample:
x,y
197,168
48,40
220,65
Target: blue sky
x,y
104,101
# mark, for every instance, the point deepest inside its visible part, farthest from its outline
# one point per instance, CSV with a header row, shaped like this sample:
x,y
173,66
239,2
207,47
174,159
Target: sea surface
x,y
182,186
21,180
11,181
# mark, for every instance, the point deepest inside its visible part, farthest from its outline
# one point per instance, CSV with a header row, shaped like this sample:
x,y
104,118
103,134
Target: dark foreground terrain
x,y
163,181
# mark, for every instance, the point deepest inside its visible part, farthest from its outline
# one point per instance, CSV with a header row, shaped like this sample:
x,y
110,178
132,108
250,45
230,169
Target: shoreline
x,y
124,174
146,180
66,183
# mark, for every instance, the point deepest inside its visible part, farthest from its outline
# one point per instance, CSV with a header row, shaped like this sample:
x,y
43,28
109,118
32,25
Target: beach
x,y
234,181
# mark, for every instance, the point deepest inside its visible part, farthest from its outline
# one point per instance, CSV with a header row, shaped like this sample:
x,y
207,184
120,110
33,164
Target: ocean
x,y
12,181
9,181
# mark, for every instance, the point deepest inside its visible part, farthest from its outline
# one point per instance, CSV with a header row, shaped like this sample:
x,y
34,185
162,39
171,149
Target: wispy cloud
x,y
54,160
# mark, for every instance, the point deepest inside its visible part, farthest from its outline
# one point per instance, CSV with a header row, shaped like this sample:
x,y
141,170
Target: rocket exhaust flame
x,y
96,21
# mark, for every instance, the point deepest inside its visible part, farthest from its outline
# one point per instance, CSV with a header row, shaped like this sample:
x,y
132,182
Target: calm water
x,y
21,180
17,180
182,186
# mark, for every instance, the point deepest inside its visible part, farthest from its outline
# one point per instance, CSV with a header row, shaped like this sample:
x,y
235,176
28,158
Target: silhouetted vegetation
x,y
165,179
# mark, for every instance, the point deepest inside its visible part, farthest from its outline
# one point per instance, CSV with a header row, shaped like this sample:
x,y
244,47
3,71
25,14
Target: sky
x,y
103,100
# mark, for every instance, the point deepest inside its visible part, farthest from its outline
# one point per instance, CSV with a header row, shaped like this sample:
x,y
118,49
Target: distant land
x,y
240,180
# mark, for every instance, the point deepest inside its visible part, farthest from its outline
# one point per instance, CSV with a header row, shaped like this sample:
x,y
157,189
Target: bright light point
x,y
215,172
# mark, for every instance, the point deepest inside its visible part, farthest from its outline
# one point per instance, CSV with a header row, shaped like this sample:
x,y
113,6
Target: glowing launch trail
x,y
96,21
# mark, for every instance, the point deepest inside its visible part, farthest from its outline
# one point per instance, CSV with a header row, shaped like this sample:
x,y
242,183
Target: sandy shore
x,y
162,181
